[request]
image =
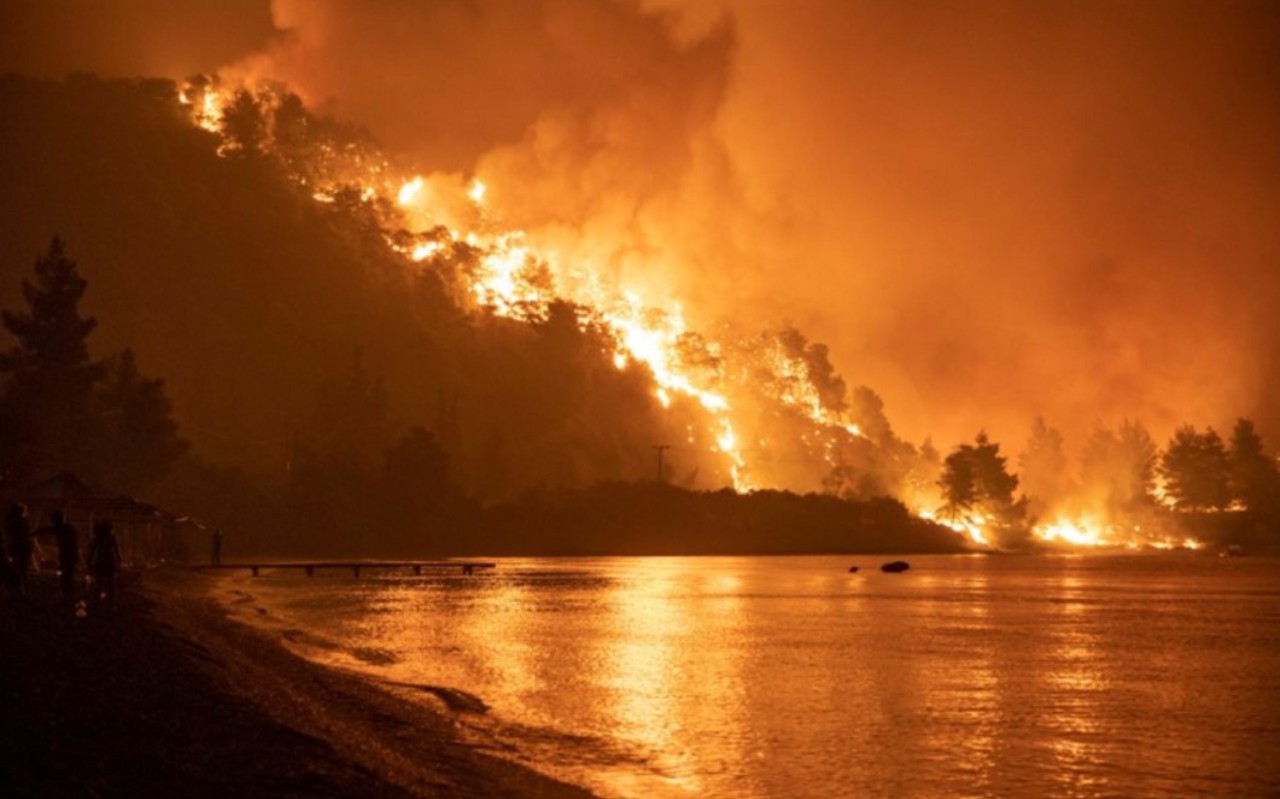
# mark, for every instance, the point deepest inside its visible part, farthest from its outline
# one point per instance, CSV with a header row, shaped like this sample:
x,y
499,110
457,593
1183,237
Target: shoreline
x,y
169,695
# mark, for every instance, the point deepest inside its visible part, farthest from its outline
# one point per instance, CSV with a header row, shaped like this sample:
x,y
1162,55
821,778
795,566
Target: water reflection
x,y
1075,676
494,625
753,678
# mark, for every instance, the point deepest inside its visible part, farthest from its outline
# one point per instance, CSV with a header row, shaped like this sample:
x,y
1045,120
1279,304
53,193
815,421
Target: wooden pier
x,y
358,566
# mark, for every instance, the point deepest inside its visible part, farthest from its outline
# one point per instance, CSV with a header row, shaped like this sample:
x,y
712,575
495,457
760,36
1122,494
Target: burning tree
x,y
1117,469
1252,475
975,482
1042,468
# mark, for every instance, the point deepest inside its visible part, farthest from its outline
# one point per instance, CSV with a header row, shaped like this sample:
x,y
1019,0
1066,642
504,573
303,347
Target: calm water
x,y
1126,676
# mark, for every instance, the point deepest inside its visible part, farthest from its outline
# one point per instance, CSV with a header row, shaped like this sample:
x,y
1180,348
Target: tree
x,y
1251,474
138,437
866,409
958,484
420,496
351,420
974,477
244,124
818,372
1194,468
50,374
1117,469
418,463
1042,467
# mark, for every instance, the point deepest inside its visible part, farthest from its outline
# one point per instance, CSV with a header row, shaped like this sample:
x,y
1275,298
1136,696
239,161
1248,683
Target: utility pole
x,y
661,448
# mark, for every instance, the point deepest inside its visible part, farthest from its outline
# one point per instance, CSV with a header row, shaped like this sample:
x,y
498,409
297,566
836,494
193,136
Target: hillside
x,y
250,299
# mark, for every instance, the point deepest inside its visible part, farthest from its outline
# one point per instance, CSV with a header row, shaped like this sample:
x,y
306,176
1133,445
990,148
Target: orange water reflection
x,y
753,678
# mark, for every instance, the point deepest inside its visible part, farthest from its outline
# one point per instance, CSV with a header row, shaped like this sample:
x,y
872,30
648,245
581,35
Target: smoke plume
x,y
986,211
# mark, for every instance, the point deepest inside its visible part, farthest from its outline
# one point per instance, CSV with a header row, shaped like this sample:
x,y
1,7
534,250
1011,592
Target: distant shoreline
x,y
169,696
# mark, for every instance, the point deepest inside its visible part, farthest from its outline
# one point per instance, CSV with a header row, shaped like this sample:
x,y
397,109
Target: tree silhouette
x,y
418,463
139,439
1118,468
974,477
1042,467
244,124
50,374
415,482
351,420
1194,468
866,409
1252,475
958,483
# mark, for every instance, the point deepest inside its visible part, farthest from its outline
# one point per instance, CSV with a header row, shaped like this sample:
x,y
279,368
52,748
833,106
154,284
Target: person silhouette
x,y
20,547
215,551
104,561
68,552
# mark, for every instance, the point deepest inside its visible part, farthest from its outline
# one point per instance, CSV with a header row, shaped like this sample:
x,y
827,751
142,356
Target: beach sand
x,y
166,696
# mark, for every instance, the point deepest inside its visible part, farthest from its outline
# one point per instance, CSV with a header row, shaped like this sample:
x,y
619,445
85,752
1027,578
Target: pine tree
x,y
1042,467
974,477
1252,475
1118,469
959,487
138,439
47,398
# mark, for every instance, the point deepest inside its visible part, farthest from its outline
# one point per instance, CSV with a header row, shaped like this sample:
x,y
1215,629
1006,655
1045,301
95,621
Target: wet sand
x,y
166,696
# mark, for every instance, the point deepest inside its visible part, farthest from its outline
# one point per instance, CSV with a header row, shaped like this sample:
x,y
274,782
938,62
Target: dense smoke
x,y
987,211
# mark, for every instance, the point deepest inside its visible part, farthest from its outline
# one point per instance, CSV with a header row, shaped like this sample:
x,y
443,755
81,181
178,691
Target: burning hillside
x,y
765,408
768,405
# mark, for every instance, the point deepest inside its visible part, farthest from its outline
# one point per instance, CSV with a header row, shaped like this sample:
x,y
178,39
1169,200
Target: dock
x,y
358,566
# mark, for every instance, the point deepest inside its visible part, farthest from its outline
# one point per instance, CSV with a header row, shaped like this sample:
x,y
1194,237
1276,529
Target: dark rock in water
x,y
853,569
895,567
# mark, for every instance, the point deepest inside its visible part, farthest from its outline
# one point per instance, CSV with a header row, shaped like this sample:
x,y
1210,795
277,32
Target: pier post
x,y
255,570
355,571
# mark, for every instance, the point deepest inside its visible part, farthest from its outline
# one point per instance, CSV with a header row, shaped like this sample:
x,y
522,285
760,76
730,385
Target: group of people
x,y
18,549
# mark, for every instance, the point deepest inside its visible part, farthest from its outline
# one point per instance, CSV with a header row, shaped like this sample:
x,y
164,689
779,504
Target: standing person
x,y
104,561
17,531
215,552
68,552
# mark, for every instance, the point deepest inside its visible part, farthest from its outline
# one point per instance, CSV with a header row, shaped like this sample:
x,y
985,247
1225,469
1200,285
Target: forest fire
x,y
554,399
767,405
509,278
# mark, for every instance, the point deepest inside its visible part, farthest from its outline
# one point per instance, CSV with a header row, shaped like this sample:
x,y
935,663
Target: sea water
x,y
967,676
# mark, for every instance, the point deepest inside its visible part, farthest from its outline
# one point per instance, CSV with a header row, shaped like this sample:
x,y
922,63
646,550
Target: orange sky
x,y
988,210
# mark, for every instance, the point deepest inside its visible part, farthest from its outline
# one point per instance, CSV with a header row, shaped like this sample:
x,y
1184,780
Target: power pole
x,y
661,448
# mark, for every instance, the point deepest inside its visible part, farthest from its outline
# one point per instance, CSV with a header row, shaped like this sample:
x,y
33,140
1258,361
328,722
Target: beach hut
x,y
147,533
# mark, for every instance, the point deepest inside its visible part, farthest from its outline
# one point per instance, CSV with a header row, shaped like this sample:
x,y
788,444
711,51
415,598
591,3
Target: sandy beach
x,y
167,696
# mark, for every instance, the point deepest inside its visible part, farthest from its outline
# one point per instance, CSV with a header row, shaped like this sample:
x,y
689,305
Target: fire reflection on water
x,y
746,678
1077,675
643,673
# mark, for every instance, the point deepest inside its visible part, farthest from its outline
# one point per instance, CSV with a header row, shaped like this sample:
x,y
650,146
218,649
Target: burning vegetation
x,y
490,370
768,405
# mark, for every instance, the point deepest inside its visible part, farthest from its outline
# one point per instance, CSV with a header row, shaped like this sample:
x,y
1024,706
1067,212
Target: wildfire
x,y
207,107
1080,533
733,382
1091,533
511,279
972,525
409,190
